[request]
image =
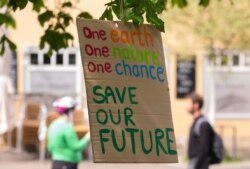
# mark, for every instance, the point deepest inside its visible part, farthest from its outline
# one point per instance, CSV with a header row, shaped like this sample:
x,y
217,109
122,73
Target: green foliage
x,y
3,3
65,18
107,14
152,12
179,3
85,15
67,4
45,17
15,4
137,10
55,39
7,20
22,4
232,24
6,41
184,3
134,10
37,5
220,25
55,35
204,3
56,21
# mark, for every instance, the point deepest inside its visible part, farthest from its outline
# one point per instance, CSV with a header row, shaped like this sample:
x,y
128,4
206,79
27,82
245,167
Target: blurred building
x,y
226,91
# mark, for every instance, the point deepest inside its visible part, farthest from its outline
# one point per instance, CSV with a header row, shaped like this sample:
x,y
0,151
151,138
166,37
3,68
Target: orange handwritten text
x,y
140,36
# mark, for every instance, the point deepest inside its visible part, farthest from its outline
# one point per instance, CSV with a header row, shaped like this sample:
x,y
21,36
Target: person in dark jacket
x,y
201,135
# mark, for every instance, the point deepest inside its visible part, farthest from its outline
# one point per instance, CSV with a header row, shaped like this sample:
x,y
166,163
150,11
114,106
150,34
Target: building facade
x,y
225,89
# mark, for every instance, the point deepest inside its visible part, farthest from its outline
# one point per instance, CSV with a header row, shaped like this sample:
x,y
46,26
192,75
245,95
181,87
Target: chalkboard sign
x,y
185,77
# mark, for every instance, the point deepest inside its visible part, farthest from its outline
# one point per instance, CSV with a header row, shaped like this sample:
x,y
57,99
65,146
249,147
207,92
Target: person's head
x,y
194,103
64,105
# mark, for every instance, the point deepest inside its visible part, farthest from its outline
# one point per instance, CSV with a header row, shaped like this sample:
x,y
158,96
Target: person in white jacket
x,y
6,116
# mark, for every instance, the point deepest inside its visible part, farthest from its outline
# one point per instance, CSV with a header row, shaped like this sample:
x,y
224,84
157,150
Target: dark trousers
x,y
193,164
63,165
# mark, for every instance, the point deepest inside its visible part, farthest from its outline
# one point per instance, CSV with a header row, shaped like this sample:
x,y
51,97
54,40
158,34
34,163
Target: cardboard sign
x,y
127,92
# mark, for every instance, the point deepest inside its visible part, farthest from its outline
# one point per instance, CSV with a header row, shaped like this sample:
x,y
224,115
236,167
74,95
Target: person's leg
x,y
205,164
75,166
192,163
70,165
57,165
63,165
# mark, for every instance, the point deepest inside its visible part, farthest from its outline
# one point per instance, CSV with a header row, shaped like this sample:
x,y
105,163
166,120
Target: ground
x,y
10,159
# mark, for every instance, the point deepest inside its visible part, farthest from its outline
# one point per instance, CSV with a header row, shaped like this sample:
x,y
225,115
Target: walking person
x,y
200,145
63,143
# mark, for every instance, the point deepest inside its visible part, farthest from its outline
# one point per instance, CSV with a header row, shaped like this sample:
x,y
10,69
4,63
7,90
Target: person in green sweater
x,y
63,143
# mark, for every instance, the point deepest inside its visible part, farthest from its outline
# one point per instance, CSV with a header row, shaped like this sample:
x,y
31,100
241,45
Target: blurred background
x,y
206,51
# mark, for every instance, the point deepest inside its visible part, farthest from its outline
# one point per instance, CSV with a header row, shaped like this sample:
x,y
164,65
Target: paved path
x,y
13,160
90,165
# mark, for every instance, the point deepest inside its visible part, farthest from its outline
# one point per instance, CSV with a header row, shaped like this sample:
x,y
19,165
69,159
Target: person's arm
x,y
204,145
49,147
72,139
49,144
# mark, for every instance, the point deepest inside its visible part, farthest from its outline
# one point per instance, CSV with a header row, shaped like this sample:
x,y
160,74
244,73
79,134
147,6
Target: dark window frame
x,y
59,59
33,60
72,61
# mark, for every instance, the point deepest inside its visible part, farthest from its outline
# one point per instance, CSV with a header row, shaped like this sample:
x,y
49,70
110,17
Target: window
x,y
53,76
236,60
224,60
72,59
232,92
34,59
46,59
247,60
227,85
59,59
64,57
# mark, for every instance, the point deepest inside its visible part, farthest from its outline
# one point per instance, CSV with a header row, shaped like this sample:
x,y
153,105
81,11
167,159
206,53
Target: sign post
x,y
127,92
